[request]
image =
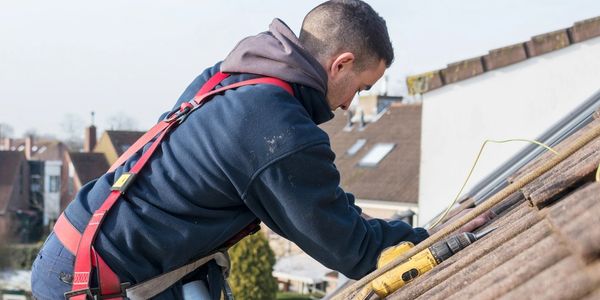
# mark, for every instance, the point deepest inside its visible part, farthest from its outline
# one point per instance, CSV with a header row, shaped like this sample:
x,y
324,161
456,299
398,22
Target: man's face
x,y
344,82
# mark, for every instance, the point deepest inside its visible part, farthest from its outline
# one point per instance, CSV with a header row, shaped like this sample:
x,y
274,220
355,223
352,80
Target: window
x,y
54,184
376,155
71,180
356,147
71,186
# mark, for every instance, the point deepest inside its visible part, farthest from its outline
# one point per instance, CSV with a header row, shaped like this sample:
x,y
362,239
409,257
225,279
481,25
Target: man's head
x,y
351,42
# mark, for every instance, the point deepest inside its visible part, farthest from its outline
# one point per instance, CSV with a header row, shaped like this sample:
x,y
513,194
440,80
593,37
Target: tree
x,y
121,121
72,127
252,262
6,131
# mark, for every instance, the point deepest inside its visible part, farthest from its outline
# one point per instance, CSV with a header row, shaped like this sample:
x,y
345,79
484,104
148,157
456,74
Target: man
x,y
253,152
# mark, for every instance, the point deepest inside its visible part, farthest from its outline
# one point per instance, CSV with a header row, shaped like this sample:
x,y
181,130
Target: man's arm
x,y
299,197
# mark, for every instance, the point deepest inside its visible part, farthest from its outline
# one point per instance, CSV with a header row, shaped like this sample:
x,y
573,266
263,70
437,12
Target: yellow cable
x,y
598,174
475,164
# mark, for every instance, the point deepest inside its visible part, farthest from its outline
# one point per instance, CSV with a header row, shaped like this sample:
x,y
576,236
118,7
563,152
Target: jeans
x,y
52,271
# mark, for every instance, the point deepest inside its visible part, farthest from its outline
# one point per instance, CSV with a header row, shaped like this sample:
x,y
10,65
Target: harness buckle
x,y
181,113
94,293
123,182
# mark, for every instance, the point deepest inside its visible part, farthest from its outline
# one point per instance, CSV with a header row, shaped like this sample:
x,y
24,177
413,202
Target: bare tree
x,y
31,132
38,135
6,131
72,127
121,121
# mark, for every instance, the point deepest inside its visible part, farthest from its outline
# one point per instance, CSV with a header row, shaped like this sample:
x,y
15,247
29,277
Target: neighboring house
x,y
14,190
302,274
79,169
512,92
46,159
546,245
379,161
114,143
370,106
82,167
51,153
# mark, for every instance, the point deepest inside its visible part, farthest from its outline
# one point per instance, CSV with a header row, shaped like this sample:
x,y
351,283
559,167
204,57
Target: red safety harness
x,y
81,245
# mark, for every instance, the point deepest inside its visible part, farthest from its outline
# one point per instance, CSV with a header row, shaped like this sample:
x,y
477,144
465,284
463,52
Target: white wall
x,y
51,199
518,101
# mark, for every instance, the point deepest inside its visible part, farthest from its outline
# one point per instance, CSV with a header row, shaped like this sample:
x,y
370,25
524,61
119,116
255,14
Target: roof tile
x,y
548,42
462,70
504,56
585,30
89,166
548,155
553,284
559,179
422,83
577,233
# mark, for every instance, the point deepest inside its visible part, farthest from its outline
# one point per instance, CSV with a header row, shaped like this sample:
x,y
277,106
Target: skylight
x,y
356,147
376,154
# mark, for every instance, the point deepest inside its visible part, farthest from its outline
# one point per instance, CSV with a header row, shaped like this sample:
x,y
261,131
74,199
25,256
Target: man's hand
x,y
477,222
471,225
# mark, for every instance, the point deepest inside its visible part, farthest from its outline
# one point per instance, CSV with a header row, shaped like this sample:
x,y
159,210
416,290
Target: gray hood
x,y
277,53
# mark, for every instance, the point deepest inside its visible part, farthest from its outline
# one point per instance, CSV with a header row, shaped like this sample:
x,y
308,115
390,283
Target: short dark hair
x,y
338,26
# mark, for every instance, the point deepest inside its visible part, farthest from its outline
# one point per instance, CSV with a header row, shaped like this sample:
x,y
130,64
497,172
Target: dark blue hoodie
x,y
253,152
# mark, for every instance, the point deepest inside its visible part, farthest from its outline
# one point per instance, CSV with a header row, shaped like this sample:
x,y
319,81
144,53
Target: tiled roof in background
x,y
498,58
89,166
396,177
42,149
547,245
49,150
9,169
122,140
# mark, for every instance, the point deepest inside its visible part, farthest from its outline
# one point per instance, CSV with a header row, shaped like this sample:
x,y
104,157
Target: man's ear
x,y
342,63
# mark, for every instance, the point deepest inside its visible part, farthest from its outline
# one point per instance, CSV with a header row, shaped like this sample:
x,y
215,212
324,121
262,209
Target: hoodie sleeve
x,y
299,197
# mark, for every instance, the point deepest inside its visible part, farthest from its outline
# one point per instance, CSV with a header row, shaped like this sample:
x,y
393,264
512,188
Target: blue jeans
x,y
52,271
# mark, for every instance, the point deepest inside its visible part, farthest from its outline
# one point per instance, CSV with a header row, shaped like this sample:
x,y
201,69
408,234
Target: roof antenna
x,y
93,115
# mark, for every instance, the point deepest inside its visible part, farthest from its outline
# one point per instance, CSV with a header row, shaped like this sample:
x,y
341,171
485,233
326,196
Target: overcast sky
x,y
63,59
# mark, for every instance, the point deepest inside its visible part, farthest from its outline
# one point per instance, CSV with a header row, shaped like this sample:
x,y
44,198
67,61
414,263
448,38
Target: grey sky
x,y
136,57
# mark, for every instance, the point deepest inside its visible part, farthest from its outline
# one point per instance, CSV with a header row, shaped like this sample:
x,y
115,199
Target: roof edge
x,y
497,58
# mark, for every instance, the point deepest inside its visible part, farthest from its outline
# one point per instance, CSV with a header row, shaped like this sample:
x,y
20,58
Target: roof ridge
x,y
504,56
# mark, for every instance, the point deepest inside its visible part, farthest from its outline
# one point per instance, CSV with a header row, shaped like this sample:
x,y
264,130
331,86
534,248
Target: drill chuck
x,y
443,250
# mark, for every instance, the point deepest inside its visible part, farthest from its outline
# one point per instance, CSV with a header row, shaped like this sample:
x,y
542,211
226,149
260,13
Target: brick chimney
x,y
89,141
28,146
6,144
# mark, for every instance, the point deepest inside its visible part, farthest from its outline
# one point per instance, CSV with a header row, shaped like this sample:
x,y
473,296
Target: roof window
x,y
376,154
356,147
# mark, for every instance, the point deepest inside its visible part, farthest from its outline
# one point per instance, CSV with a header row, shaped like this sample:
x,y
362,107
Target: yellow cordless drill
x,y
416,265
